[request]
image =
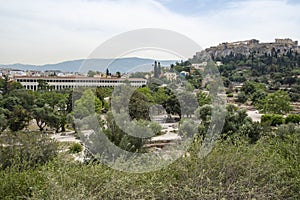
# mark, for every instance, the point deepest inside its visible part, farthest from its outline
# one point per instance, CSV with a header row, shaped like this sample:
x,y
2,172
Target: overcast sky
x,y
51,31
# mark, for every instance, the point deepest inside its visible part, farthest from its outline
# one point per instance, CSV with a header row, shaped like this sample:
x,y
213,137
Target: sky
x,y
51,31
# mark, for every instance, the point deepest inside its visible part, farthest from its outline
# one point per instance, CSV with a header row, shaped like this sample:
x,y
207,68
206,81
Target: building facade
x,y
59,83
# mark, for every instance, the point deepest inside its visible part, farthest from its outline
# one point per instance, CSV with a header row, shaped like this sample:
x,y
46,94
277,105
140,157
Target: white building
x,y
170,76
58,83
17,72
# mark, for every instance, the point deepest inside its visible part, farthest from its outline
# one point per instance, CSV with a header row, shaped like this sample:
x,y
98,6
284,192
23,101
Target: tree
x,y
188,103
7,85
18,119
257,96
172,105
237,123
87,105
120,138
102,92
41,116
139,105
160,96
204,112
43,85
118,74
91,73
3,119
203,98
242,97
26,98
275,103
146,91
188,129
57,120
51,109
10,102
248,87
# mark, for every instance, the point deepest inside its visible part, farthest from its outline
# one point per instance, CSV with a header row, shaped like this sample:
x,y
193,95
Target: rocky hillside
x,y
248,47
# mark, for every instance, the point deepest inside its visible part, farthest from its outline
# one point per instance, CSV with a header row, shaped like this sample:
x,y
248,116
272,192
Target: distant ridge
x,y
122,65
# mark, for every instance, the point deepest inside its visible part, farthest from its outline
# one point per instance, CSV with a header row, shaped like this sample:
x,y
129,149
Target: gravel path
x,y
66,137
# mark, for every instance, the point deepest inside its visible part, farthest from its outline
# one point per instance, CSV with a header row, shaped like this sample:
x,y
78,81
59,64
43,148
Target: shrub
x,y
75,148
292,118
242,97
268,169
26,150
272,119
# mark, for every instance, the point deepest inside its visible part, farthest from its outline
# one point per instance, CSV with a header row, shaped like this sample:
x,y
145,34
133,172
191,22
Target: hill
x,y
248,47
84,65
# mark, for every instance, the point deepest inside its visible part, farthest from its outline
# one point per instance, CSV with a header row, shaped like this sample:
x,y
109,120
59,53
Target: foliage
x,y
275,103
169,99
268,169
91,73
242,97
139,106
188,103
43,85
154,126
18,118
51,109
234,121
24,151
204,112
3,120
87,105
203,98
41,116
272,119
248,88
258,96
237,123
103,92
139,74
292,118
75,148
7,86
118,135
251,160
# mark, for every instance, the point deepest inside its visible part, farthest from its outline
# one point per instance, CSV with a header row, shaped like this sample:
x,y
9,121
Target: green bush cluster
x,y
26,150
272,119
268,169
276,119
75,148
292,118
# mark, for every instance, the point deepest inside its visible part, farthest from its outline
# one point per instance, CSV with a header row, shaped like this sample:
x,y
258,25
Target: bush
x,y
272,119
75,148
26,150
242,97
268,169
292,118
